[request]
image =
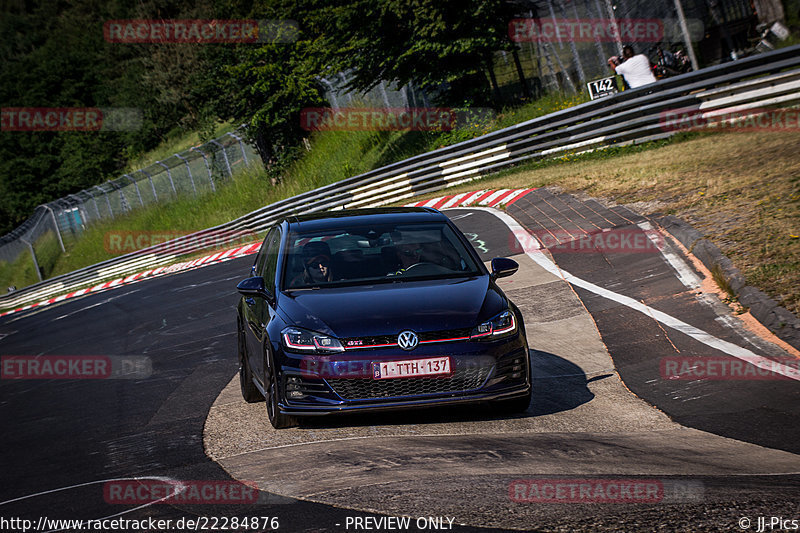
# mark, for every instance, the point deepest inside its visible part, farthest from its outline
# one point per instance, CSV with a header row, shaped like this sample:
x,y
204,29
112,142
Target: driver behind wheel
x,y
408,254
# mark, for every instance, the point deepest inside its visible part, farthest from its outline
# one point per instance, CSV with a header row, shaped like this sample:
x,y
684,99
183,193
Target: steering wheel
x,y
424,268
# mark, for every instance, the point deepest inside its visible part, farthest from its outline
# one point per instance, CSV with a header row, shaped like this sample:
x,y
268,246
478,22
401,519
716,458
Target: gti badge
x,y
407,340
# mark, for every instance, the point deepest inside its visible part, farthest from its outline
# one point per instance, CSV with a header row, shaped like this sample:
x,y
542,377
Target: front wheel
x,y
276,418
250,392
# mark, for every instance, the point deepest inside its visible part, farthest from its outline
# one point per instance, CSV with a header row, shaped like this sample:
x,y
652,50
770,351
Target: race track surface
x,y
603,411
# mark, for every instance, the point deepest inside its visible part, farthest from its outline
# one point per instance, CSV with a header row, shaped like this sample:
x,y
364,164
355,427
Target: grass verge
x,y
742,190
176,141
333,156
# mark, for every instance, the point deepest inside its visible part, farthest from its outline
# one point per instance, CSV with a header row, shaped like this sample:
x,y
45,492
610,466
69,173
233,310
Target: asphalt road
x,y
761,411
727,454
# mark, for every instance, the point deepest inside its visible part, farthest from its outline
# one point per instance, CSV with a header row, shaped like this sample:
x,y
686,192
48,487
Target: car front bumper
x,y
482,372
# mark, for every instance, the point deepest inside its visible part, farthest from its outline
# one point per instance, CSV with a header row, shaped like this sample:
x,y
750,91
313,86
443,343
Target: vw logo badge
x,y
408,340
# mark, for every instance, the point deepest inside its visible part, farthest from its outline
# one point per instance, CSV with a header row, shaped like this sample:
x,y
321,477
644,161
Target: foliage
x,y
54,54
428,42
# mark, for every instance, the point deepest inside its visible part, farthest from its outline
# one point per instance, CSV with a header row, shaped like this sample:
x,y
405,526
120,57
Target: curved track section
x,y
583,422
602,415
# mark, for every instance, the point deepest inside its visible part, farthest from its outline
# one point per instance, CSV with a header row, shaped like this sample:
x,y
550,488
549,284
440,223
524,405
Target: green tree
x,y
53,54
429,42
267,85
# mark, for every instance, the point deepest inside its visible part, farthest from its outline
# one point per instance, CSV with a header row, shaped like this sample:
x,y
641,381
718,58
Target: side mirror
x,y
252,287
503,267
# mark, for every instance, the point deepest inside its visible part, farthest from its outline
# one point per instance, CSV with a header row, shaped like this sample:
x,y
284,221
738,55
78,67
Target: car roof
x,y
359,217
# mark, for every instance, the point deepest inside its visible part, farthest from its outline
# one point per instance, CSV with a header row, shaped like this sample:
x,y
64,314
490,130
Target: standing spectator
x,y
635,69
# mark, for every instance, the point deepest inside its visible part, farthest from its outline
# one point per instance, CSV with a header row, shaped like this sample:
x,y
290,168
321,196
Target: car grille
x,y
450,335
464,379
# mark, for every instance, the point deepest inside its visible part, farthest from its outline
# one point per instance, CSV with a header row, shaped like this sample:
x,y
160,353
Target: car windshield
x,y
375,254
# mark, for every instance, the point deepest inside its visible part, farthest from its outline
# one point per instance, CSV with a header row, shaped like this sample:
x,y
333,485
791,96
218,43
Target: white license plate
x,y
413,368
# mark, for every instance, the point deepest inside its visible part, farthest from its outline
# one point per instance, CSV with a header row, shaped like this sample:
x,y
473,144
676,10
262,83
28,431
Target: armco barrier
x,y
628,117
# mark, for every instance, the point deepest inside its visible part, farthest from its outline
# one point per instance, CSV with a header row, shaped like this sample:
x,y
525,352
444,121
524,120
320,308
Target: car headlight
x,y
302,340
502,325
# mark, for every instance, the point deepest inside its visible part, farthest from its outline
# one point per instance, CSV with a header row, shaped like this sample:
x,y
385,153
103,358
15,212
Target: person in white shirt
x,y
635,69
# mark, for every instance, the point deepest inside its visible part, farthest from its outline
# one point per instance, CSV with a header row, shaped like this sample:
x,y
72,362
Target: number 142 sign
x,y
602,87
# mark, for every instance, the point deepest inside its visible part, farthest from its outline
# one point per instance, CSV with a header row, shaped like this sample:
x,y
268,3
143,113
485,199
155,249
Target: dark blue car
x,y
377,309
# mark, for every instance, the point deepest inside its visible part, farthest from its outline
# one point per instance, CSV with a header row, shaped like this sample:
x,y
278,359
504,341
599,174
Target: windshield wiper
x,y
293,289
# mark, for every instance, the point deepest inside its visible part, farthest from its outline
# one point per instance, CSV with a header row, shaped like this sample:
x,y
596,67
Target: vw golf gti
x,y
377,309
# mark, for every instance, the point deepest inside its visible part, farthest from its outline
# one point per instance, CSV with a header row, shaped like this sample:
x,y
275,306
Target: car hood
x,y
386,309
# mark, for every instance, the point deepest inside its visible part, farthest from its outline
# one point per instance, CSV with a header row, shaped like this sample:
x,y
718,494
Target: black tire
x,y
276,418
250,392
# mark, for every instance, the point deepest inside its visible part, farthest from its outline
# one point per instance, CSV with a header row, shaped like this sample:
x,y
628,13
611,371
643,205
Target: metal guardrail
x,y
629,117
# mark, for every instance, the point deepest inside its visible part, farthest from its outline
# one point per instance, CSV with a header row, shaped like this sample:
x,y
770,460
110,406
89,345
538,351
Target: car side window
x,y
270,266
258,266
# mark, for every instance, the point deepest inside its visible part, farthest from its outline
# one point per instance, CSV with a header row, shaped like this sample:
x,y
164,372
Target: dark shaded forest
x,y
54,54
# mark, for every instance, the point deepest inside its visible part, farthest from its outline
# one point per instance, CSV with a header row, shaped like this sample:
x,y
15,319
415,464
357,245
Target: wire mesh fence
x,y
563,44
34,246
385,94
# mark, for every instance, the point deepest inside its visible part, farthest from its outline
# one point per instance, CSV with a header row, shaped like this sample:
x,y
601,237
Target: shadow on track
x,y
558,385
